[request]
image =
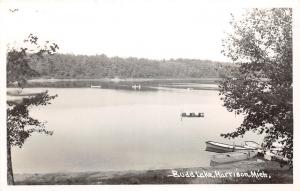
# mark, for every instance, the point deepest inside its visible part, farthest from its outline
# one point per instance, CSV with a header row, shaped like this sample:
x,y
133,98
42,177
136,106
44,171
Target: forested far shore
x,y
69,66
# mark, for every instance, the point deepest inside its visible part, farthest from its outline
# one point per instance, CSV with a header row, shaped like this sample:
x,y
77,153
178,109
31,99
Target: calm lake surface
x,y
115,129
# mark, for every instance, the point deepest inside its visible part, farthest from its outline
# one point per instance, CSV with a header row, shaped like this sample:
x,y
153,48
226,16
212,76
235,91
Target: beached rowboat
x,y
17,96
223,148
252,144
232,157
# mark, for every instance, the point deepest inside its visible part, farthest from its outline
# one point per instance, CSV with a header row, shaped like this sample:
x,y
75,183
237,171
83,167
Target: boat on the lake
x,y
232,157
136,87
115,80
192,115
92,86
217,147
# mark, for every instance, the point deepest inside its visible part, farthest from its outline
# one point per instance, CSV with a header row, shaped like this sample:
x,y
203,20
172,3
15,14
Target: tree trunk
x,y
10,175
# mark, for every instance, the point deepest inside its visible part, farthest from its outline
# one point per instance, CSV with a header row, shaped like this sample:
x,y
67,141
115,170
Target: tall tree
x,y
20,125
261,86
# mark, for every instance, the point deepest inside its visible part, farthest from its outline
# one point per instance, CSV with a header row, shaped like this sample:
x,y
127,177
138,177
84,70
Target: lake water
x,y
113,129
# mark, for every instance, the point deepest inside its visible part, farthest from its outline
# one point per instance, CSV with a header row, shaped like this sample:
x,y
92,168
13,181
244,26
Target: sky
x,y
154,29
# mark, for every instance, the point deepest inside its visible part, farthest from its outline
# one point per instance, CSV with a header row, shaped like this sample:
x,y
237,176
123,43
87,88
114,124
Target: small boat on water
x,y
92,86
213,146
232,157
115,80
192,115
135,87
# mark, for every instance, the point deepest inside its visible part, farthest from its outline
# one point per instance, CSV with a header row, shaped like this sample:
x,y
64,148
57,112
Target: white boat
x,y
136,87
92,86
116,80
12,100
17,96
232,157
217,147
252,144
22,92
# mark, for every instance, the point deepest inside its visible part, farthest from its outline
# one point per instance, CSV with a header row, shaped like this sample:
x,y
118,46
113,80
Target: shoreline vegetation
x,y
209,80
68,66
256,171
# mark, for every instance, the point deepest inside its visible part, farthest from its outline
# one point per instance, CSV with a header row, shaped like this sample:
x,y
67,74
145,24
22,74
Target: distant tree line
x,y
100,66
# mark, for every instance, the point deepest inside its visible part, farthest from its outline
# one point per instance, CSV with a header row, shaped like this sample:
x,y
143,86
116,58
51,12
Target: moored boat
x,y
135,87
93,86
232,157
17,96
252,144
213,146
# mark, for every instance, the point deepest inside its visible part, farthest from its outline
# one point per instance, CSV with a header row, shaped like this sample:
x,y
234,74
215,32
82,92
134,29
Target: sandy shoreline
x,y
242,172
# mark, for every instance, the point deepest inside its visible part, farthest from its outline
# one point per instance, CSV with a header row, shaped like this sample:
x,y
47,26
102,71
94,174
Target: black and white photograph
x,y
149,92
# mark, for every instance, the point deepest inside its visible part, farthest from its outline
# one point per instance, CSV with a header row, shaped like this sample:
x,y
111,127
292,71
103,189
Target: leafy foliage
x,y
20,125
261,86
18,59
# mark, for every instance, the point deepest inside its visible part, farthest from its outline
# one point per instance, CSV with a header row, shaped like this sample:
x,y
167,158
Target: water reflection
x,y
109,129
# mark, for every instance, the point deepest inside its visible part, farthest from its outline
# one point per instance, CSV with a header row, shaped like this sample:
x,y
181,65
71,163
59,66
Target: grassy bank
x,y
243,172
